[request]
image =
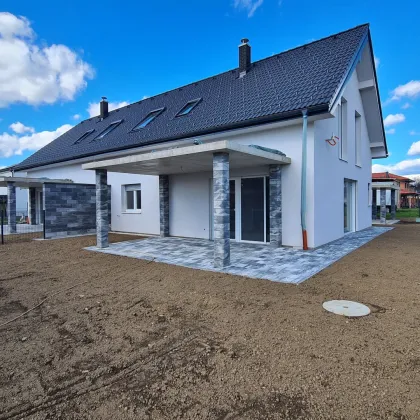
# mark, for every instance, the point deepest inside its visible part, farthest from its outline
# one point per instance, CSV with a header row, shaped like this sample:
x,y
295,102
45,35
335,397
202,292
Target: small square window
x,y
148,119
83,136
107,130
132,198
188,107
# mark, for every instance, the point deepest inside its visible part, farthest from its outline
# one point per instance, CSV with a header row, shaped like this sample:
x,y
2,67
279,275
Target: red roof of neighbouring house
x,y
388,175
407,192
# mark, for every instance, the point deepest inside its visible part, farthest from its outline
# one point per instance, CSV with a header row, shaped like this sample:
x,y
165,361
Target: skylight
x,y
107,130
83,136
148,119
188,107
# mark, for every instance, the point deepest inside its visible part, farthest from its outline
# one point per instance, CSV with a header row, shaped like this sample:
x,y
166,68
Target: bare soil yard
x,y
142,340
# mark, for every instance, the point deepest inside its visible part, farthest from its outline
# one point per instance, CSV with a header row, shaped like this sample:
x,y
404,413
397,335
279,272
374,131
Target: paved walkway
x,y
257,261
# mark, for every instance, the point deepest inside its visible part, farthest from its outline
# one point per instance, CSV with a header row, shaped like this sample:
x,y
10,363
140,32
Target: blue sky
x,y
58,58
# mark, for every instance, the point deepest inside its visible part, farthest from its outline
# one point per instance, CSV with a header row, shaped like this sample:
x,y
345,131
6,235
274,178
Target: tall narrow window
x,y
342,129
358,138
132,198
148,119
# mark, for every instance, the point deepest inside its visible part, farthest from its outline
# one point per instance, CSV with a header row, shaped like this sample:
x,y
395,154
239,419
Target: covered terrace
x,y
219,158
34,186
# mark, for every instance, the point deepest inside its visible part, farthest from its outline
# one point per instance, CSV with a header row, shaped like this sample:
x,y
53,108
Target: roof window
x,y
148,119
83,136
188,107
107,130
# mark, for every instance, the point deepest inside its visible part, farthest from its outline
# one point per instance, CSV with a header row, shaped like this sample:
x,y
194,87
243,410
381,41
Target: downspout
x,y
303,180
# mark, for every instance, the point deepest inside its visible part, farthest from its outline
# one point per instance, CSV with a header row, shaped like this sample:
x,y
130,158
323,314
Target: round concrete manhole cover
x,y
346,308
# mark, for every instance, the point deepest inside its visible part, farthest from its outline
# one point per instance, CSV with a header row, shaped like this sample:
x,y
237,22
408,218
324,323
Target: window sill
x,y
131,212
358,166
343,160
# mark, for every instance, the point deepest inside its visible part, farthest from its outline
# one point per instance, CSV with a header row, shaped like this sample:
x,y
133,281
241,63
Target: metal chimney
x,y
244,57
103,106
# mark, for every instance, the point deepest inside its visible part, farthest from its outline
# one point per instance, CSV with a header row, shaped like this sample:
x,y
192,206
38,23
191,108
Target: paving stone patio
x,y
285,265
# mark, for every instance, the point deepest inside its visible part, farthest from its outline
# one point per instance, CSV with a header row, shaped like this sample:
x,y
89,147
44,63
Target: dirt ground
x,y
143,340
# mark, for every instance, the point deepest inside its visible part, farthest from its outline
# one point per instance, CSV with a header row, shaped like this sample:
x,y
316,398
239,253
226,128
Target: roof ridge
x,y
235,69
312,42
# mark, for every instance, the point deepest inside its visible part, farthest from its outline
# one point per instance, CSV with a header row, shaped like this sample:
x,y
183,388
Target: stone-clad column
x,y
221,209
393,205
374,205
164,205
383,205
11,206
275,205
102,217
32,205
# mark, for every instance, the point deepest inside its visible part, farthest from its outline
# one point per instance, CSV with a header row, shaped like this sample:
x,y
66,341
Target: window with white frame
x,y
132,198
342,129
370,194
358,137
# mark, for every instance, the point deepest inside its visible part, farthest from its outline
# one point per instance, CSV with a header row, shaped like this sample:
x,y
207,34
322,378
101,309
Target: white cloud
x,y
35,73
13,144
415,177
93,108
414,133
409,90
249,6
377,62
20,128
401,168
393,119
76,117
414,149
390,131
406,106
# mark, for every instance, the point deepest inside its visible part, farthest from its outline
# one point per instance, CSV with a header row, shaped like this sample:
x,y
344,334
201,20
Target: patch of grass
x,y
407,213
403,214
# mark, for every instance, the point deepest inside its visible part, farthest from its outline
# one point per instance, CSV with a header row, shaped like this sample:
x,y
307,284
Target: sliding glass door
x,y
253,209
349,206
232,197
249,209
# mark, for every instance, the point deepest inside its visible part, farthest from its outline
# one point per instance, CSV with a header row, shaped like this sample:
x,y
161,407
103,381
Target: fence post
x,y
43,225
2,223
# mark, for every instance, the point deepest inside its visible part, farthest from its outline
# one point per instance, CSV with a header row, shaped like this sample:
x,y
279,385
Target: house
x,y
406,196
21,198
274,151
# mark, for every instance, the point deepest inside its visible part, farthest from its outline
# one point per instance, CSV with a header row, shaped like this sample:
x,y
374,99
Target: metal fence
x,y
22,229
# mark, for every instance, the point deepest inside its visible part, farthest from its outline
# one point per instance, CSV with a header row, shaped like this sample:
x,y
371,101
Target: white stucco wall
x,y
146,222
331,171
189,205
190,193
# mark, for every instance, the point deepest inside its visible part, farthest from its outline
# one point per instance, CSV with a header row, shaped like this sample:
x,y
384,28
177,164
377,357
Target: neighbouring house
x,y
276,151
21,197
406,196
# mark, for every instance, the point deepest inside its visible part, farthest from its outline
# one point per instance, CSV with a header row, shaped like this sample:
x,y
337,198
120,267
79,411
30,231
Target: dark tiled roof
x,y
306,77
